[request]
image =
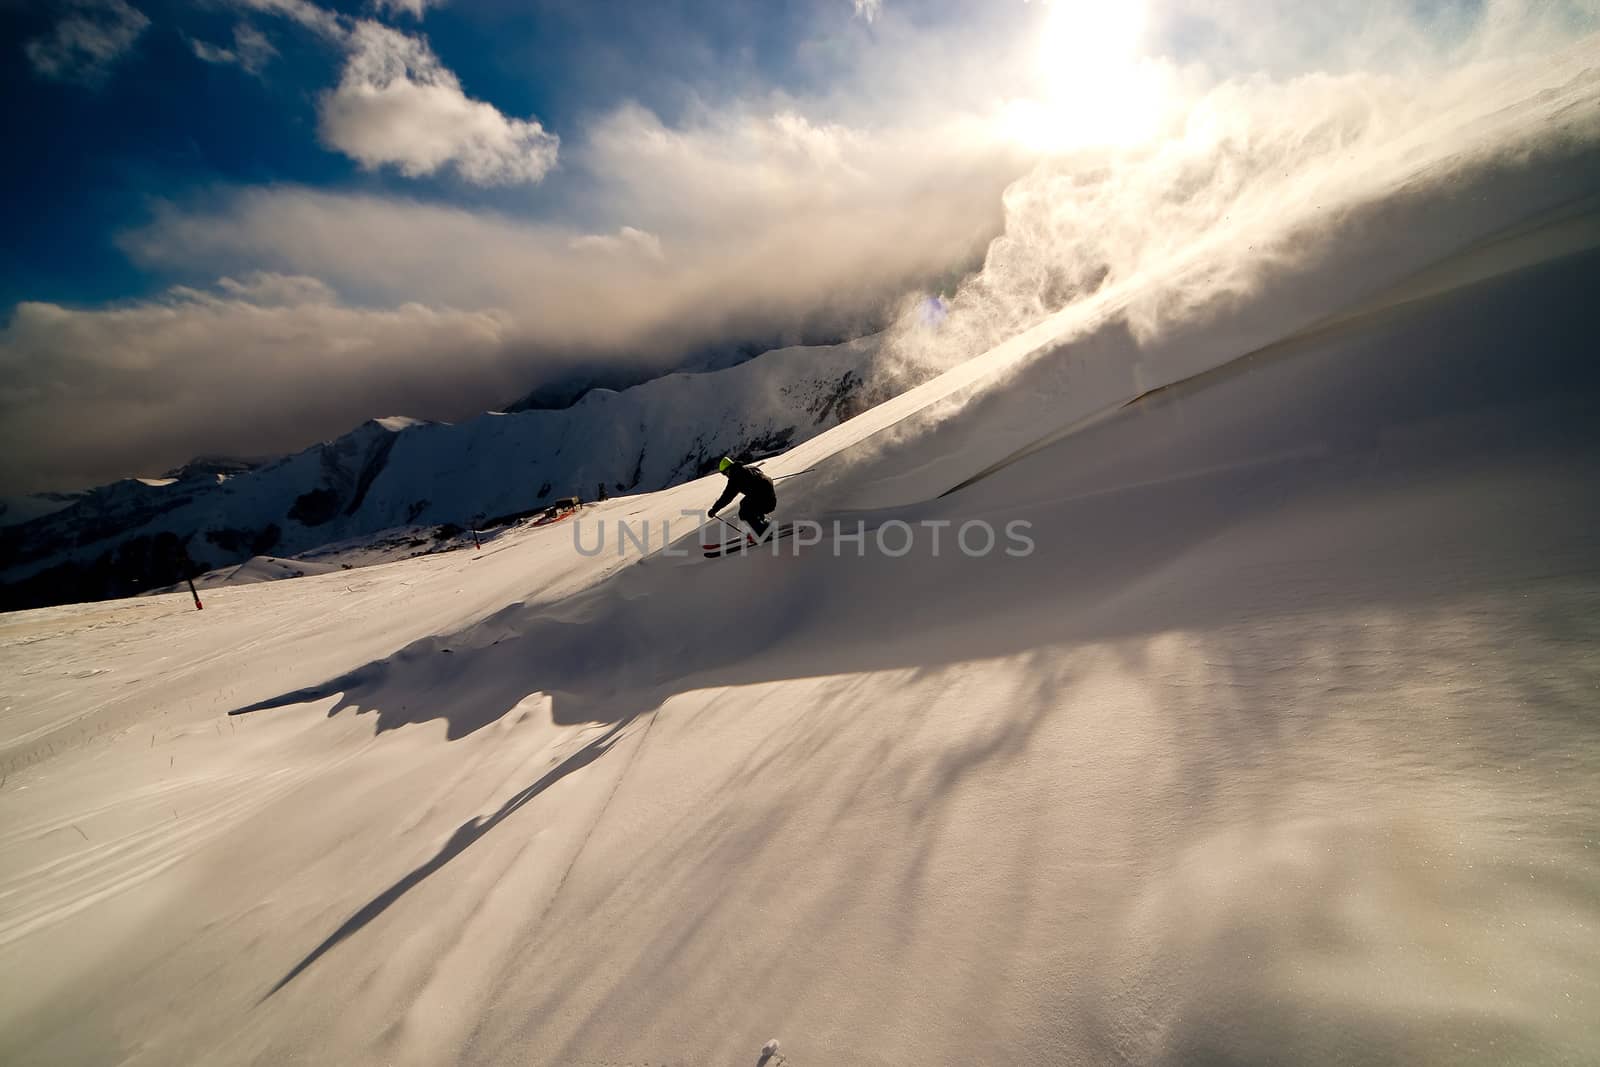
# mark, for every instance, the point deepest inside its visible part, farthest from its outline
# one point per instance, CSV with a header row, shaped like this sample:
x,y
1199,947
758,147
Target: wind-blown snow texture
x,y
1279,748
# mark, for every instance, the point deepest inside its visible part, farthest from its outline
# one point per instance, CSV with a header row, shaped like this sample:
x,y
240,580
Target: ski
x,y
737,545
730,543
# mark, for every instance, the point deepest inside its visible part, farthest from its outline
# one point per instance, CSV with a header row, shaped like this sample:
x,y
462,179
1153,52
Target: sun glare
x,y
1093,85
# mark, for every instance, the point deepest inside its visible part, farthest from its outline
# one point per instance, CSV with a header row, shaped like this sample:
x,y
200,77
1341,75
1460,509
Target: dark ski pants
x,y
753,513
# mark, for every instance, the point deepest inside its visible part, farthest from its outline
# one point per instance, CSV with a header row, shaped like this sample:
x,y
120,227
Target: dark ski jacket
x,y
756,487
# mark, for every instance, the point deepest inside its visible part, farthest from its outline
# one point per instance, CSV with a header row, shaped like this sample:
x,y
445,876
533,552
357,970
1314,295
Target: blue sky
x,y
241,226
158,121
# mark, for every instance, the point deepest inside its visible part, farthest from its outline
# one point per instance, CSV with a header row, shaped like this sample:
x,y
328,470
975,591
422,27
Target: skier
x,y
760,498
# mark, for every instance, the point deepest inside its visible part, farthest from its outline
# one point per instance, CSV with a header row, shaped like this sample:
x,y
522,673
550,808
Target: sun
x,y
1093,85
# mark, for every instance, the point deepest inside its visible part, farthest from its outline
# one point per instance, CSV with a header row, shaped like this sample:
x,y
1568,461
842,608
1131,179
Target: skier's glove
x,y
711,514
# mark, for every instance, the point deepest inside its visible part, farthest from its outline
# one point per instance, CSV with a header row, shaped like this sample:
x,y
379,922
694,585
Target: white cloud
x,y
317,19
868,9
626,241
397,104
414,8
267,289
770,222
799,220
251,50
83,46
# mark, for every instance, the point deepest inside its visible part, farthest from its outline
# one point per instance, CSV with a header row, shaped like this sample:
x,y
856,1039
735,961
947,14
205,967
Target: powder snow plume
x,y
1250,178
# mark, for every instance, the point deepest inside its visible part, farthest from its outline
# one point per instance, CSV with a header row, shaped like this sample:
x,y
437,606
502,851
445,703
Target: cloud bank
x,y
354,305
253,362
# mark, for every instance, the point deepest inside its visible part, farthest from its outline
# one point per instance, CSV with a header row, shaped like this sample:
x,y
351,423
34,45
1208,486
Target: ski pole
x,y
730,526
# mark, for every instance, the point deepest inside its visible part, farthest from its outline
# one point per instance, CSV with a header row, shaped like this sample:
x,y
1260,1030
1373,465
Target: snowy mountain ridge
x,y
396,471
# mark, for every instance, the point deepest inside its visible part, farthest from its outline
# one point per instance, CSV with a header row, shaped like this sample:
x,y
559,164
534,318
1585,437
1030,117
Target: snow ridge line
x,y
1519,243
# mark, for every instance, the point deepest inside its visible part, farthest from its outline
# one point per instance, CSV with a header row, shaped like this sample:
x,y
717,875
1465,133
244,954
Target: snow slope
x,y
1279,747
262,569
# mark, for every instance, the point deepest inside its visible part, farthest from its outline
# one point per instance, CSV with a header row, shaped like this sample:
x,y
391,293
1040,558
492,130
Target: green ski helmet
x,y
724,463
